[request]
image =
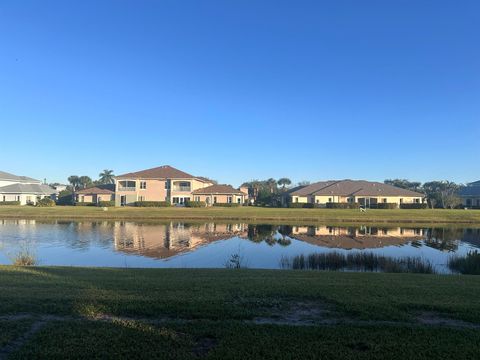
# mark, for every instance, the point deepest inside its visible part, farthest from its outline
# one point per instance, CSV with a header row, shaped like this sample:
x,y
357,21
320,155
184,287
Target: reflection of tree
x,y
259,233
444,239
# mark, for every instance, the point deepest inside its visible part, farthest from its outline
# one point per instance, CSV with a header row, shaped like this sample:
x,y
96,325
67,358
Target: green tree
x,y
405,184
284,182
85,181
106,177
74,181
442,194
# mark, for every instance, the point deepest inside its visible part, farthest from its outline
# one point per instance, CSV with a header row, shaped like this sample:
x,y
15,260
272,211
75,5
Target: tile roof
x,y
18,188
98,189
161,172
353,188
218,189
7,176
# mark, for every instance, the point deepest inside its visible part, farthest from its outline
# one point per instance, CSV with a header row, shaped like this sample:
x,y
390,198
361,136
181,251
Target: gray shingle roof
x,y
472,189
218,189
37,189
353,188
7,176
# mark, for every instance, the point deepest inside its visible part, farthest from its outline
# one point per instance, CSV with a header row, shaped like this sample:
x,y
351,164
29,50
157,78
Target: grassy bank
x,y
252,214
221,314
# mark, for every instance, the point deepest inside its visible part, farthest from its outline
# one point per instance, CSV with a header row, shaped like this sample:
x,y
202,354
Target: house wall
x,y
90,198
221,198
23,198
471,201
155,190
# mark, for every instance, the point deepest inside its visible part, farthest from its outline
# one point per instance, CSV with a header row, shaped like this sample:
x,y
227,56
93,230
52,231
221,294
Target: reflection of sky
x,y
66,244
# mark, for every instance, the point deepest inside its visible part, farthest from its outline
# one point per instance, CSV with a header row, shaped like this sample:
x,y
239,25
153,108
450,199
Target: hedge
x,y
195,204
6,203
85,204
385,206
226,204
151,203
296,205
331,205
413,206
106,203
45,202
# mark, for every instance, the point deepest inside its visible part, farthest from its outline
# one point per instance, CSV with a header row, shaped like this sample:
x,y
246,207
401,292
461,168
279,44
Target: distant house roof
x,y
10,177
36,189
161,172
98,189
219,189
352,188
472,189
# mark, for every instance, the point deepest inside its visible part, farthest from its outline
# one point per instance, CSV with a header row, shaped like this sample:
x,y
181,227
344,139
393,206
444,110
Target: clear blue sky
x,y
236,90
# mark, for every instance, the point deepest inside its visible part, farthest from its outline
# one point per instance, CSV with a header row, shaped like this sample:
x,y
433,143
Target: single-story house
x,y
22,189
470,195
366,193
220,194
95,194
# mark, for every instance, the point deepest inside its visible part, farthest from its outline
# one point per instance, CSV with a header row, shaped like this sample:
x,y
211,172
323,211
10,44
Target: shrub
x,y
296,205
386,206
195,204
151,203
469,264
331,205
413,206
45,202
226,204
106,203
9,203
85,204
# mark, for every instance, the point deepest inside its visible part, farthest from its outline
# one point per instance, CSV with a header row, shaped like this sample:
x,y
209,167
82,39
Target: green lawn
x,y
237,314
253,214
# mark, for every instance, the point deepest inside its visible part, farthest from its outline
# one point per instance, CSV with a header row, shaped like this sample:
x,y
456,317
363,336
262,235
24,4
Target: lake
x,y
210,245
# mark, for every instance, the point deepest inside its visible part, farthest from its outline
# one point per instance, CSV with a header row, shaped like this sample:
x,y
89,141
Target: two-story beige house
x,y
163,183
366,193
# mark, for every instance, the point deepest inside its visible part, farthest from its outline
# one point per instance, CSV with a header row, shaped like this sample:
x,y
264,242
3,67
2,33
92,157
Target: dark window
x,y
143,184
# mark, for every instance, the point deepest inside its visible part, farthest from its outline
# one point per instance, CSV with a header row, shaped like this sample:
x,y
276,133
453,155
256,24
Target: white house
x,y
23,189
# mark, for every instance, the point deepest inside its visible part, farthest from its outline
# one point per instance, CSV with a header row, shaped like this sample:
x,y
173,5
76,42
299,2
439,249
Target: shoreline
x,y
247,214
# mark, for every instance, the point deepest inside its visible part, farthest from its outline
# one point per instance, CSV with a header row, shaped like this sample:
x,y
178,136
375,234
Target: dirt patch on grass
x,y
300,313
438,319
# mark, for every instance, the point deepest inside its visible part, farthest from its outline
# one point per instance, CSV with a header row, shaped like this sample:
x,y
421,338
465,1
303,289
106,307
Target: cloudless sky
x,y
237,90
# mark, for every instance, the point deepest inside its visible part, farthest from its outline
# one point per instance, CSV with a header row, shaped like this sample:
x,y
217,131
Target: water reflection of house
x,y
355,237
166,240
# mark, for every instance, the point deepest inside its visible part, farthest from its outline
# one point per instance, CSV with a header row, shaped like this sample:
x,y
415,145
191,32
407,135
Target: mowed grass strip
x,y
233,340
220,294
253,214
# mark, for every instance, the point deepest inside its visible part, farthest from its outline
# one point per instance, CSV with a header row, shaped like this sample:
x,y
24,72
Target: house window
x,y
143,185
329,199
317,201
469,202
384,200
296,200
167,185
214,199
141,198
197,198
229,199
401,201
417,201
4,198
239,200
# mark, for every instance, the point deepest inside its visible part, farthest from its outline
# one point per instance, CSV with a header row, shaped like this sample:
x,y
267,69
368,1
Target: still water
x,y
210,245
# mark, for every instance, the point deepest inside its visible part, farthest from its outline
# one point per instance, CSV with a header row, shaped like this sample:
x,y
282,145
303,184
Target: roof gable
x,y
161,172
98,189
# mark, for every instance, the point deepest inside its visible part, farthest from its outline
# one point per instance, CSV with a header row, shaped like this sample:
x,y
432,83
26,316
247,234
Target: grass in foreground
x,y
222,314
251,214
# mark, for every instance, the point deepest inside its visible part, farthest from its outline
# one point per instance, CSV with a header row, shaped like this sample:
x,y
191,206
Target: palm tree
x,y
284,182
106,177
85,181
74,180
